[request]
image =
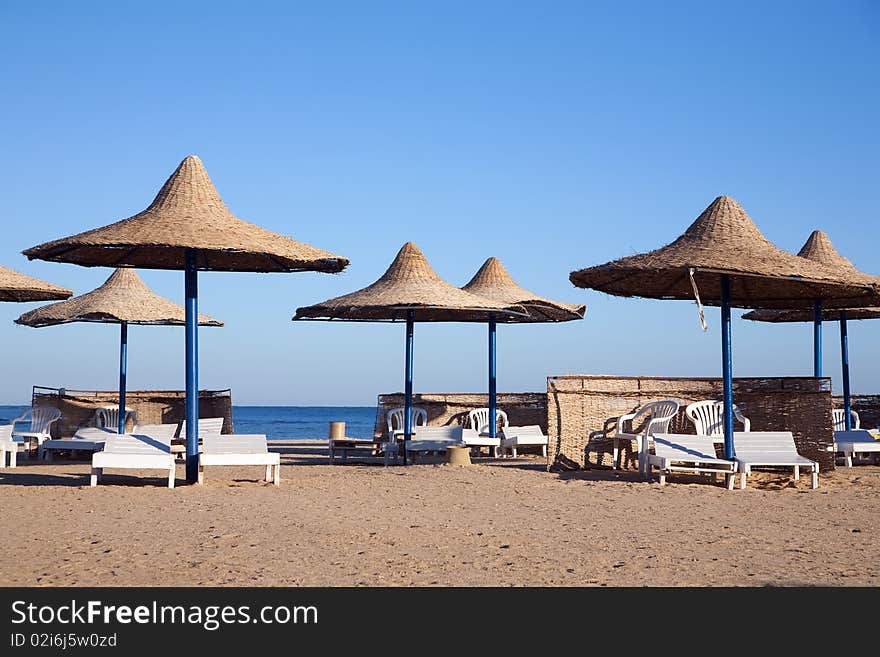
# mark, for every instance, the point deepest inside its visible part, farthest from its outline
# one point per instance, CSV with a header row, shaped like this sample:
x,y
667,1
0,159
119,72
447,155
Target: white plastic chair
x,y
478,423
107,417
478,419
839,418
656,416
394,418
41,419
708,417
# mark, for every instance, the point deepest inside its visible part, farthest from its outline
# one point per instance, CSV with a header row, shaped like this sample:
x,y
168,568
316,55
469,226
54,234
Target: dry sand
x,y
493,523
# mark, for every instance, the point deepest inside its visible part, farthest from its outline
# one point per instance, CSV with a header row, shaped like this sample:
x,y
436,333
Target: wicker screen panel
x,y
151,406
582,412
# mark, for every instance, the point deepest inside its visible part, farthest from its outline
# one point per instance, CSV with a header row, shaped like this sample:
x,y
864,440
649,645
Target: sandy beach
x,y
493,523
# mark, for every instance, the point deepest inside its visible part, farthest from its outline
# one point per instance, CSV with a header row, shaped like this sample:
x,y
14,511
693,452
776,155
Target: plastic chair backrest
x,y
108,417
707,416
394,418
478,419
840,419
662,413
41,418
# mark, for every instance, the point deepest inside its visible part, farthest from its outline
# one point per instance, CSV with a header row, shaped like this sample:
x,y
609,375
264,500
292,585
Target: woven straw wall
x,y
583,410
522,408
867,406
152,406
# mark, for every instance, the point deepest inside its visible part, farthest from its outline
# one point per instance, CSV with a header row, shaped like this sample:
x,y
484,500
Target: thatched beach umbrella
x,y
411,291
723,259
187,226
123,299
493,282
819,248
17,287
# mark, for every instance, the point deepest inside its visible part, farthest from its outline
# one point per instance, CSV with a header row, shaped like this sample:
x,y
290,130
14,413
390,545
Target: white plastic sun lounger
x,y
86,439
434,439
148,449
7,446
242,449
855,442
208,426
516,437
770,448
688,453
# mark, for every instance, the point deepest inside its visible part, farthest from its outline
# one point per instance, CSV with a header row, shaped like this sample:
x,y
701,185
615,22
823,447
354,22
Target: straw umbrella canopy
x,y
723,259
17,287
188,227
123,299
818,248
411,291
492,281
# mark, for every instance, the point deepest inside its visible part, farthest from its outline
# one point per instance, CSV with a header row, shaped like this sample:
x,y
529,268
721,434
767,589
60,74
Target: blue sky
x,y
551,135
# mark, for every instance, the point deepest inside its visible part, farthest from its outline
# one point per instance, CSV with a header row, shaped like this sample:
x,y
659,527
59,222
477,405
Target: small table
x,y
345,445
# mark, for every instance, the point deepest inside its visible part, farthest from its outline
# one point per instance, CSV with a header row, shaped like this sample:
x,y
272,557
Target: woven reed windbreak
x,y
409,284
522,408
152,406
492,281
725,240
18,287
818,248
583,411
867,406
122,298
188,214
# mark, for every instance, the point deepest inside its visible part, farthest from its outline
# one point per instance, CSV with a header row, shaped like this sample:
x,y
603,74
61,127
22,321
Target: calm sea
x,y
281,422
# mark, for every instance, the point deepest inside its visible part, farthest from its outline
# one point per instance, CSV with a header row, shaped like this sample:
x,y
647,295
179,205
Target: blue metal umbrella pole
x,y
817,338
407,402
123,372
492,380
727,366
844,360
192,366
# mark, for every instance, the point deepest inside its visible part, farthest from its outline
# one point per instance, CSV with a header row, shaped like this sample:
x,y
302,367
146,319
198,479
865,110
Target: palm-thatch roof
x,y
18,287
819,248
409,284
188,214
725,240
122,298
492,281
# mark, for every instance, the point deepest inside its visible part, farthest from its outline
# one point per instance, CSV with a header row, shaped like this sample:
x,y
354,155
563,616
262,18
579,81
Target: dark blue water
x,y
299,422
9,413
280,422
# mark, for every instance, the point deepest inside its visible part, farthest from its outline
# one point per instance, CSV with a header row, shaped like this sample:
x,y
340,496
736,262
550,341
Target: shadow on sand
x,y
21,477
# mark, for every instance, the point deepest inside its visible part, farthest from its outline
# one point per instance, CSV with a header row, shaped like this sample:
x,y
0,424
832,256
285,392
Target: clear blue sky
x,y
553,135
